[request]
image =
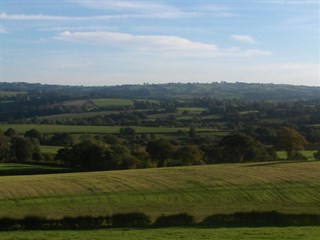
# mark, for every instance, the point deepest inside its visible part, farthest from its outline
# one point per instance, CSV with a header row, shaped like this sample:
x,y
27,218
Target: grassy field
x,y
307,153
107,102
199,191
291,233
50,149
44,128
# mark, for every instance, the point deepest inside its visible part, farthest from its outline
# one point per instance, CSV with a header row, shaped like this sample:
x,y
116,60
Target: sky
x,y
114,42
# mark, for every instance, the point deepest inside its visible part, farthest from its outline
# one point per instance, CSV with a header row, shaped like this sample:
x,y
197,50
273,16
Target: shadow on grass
x,y
263,164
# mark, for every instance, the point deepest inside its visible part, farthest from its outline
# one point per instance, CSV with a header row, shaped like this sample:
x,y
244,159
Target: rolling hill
x,y
290,187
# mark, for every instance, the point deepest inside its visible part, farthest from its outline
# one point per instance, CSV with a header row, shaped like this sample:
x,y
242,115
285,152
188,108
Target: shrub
x,y
130,220
182,219
317,155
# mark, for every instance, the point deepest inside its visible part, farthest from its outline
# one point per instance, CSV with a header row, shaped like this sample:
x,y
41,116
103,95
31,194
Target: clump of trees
x,y
129,150
14,148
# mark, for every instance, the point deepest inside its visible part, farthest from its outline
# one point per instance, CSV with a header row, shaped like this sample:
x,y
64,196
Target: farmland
x,y
290,187
289,233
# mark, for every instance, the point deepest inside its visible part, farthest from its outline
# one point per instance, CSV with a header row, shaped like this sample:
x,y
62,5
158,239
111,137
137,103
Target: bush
x,y
299,156
261,219
130,220
182,219
317,155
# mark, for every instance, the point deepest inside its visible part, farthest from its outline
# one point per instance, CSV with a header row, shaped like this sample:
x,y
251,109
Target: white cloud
x,y
143,8
24,17
144,43
243,38
124,5
256,52
156,44
44,17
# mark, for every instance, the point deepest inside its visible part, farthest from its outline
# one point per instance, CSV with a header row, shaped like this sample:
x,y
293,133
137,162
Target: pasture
x,y
289,187
288,233
112,102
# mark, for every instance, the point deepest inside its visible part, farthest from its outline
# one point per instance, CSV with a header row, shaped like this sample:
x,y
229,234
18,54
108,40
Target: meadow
x,y
288,187
287,233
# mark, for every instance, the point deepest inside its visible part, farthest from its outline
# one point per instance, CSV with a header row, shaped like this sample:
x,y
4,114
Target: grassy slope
x,y
200,191
291,233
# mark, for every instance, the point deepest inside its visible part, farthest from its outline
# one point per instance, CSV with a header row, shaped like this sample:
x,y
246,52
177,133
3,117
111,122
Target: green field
x,y
307,153
111,102
45,128
50,149
199,191
290,233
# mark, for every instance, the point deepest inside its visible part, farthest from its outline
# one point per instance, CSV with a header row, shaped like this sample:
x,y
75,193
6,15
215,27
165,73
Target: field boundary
x,y
141,220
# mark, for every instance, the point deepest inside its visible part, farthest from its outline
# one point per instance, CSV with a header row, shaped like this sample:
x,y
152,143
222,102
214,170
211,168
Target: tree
x,y
88,155
23,149
240,148
192,132
291,141
160,150
189,155
33,133
61,139
4,148
10,132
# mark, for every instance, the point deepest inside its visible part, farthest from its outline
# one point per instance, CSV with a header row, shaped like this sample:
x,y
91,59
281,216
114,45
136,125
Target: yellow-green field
x,y
290,233
199,191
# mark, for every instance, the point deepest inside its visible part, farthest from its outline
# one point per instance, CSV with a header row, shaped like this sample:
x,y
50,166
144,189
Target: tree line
x,y
129,150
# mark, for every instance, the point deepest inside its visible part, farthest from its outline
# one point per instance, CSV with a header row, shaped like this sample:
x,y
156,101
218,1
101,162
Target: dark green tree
x,y
10,132
33,133
24,149
192,132
240,148
160,151
4,148
189,155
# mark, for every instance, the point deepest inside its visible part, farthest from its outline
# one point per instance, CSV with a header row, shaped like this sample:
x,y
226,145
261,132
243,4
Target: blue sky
x,y
111,42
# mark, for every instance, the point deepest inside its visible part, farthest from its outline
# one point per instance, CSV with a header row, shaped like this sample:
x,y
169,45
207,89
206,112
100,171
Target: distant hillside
x,y
173,90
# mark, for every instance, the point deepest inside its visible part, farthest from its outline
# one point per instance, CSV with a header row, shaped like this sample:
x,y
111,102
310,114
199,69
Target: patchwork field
x,y
291,233
199,191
